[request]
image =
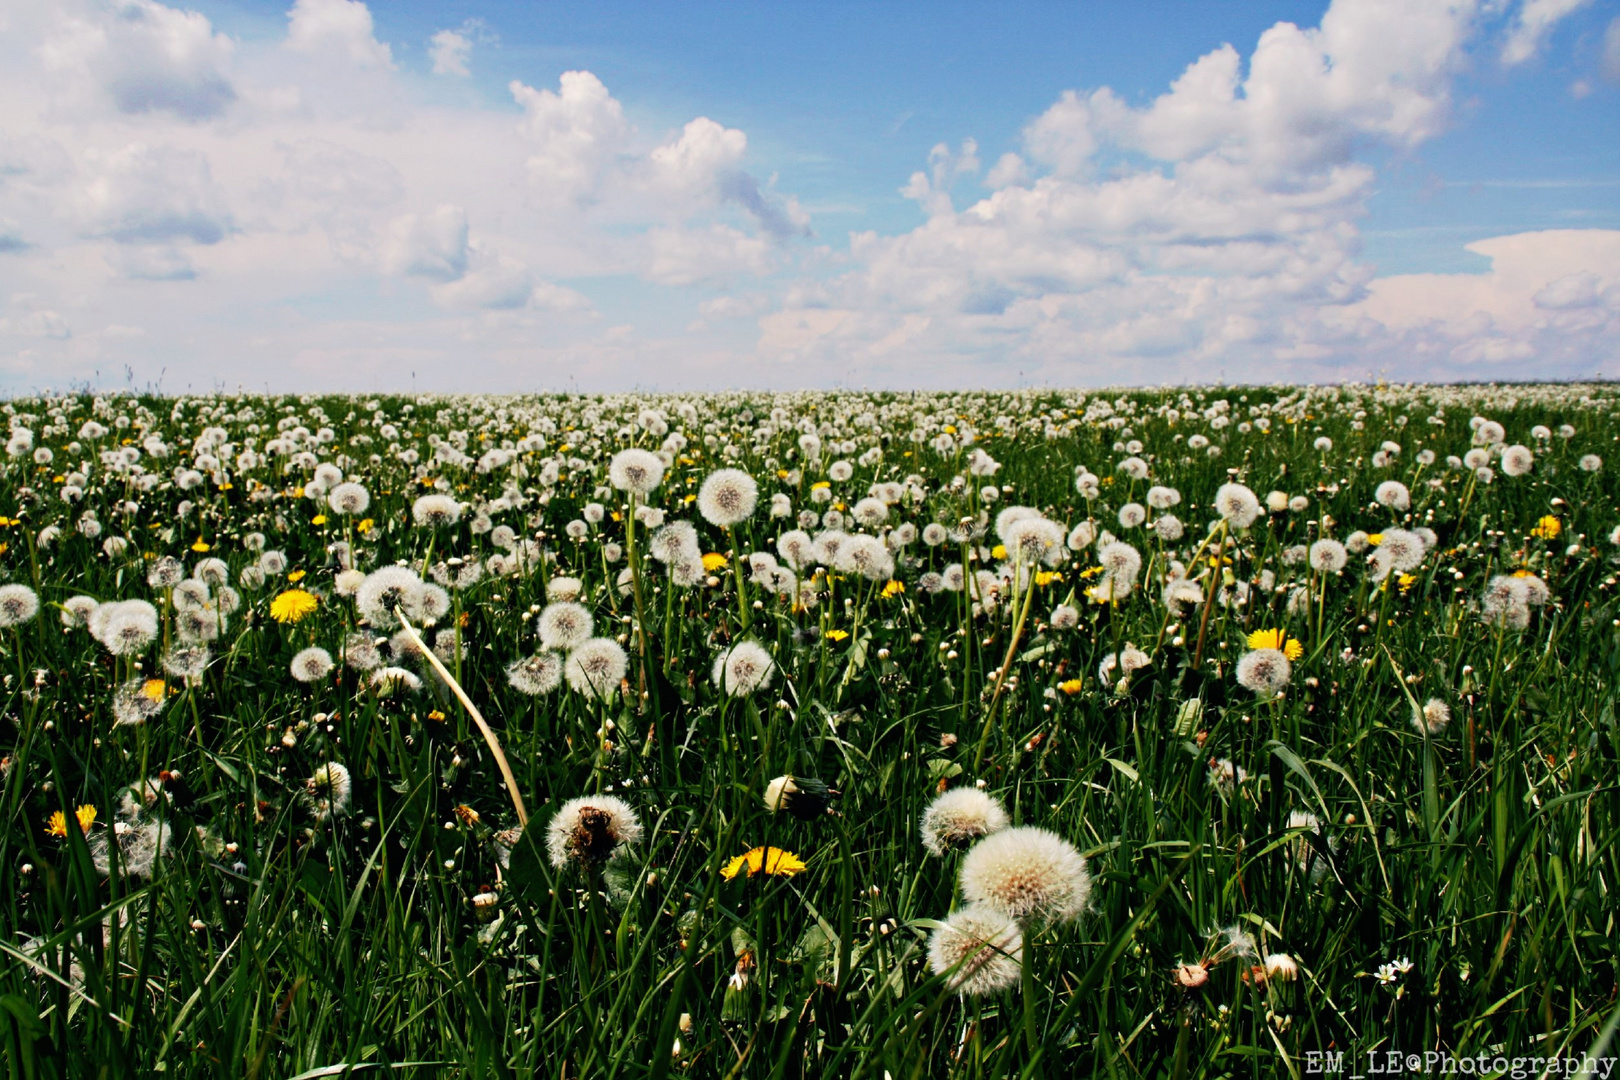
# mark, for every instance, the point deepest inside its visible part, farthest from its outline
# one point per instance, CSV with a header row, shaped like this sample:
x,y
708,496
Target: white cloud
x,y
450,51
575,133
1535,20
146,58
339,30
154,194
305,209
1611,51
432,245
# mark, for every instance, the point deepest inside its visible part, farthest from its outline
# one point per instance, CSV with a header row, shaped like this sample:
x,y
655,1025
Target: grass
x,y
269,942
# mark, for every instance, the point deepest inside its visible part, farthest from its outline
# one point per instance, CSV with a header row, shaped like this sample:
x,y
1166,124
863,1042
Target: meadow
x,y
1181,732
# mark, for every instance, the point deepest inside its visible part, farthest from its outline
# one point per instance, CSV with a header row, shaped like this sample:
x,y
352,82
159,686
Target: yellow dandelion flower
x,y
296,576
1375,539
1070,686
367,525
894,588
1548,528
318,519
1405,582
201,546
1046,577
715,561
998,552
774,861
837,635
292,605
152,690
56,824
1276,639
819,484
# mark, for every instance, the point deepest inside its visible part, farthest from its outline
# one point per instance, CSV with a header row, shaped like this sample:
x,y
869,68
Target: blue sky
x,y
270,191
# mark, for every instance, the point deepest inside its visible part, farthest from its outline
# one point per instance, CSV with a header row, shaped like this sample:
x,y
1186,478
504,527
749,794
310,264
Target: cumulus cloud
x,y
450,49
336,30
154,194
145,58
1611,51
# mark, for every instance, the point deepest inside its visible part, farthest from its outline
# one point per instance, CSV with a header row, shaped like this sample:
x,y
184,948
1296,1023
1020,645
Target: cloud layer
x,y
306,211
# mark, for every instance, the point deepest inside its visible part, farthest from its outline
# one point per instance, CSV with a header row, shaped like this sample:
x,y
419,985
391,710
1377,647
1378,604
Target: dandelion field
x,y
1176,732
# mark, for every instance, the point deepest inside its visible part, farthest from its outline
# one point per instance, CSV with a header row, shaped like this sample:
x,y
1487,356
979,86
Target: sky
x,y
503,196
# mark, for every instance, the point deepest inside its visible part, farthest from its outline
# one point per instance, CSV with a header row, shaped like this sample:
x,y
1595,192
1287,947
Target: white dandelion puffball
x,y
535,675
636,471
18,604
596,668
958,817
727,497
435,511
1264,671
1328,556
1029,873
1393,494
1517,460
744,668
590,829
312,664
1035,539
348,499
385,589
565,626
1237,504
328,790
1432,717
979,950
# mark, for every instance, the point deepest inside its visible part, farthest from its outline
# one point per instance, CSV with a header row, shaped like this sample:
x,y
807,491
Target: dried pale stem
x,y
472,710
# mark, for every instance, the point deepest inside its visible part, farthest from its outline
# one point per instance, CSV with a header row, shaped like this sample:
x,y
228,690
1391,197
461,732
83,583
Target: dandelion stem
x,y
472,710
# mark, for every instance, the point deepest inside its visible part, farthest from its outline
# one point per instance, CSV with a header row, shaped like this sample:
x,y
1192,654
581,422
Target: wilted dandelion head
x,y
435,511
596,667
1264,671
165,573
1432,717
328,790
1237,504
958,817
744,668
589,829
534,675
137,701
1224,776
390,680
1029,873
360,651
312,664
186,661
564,626
636,471
979,949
